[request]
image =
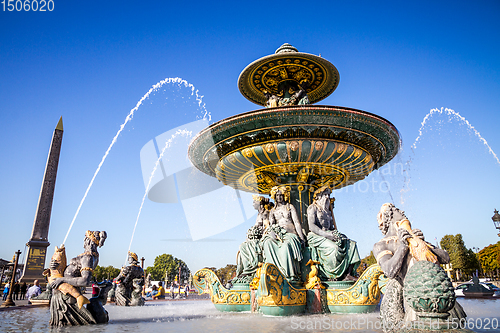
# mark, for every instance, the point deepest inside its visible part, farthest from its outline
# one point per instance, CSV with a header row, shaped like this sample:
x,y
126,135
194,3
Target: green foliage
x,y
455,247
461,257
365,263
100,273
472,261
226,274
489,257
166,264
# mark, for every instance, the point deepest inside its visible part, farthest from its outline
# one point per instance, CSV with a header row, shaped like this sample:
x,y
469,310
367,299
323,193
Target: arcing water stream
x,y
167,144
452,113
129,117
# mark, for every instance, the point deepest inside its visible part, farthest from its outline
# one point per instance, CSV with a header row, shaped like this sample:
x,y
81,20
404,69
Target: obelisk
x,y
38,243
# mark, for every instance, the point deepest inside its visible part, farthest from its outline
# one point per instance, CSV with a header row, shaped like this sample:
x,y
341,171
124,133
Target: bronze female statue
x,y
396,253
250,252
283,240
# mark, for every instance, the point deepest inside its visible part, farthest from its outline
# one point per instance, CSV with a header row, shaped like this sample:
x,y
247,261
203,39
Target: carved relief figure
x,y
283,240
338,256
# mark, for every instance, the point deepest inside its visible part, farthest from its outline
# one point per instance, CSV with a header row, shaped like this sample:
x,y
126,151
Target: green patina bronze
x,y
430,293
429,290
304,147
297,148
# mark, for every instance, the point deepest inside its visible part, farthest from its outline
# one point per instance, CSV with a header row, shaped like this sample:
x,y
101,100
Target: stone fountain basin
x,y
201,316
311,144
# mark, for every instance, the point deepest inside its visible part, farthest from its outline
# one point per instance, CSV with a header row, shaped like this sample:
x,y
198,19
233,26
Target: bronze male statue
x,y
338,256
396,253
129,282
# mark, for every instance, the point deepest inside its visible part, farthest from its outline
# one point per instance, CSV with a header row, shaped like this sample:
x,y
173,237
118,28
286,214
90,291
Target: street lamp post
x,y
496,221
9,301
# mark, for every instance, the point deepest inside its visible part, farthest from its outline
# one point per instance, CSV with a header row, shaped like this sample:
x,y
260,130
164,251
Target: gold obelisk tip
x,y
60,125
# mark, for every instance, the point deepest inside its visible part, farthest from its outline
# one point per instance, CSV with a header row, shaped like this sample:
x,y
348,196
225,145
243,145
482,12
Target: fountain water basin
x,y
201,316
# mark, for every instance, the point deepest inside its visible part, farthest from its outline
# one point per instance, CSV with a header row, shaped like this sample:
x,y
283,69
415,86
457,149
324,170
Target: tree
x,y
366,262
167,265
100,273
461,258
489,257
226,274
472,262
455,247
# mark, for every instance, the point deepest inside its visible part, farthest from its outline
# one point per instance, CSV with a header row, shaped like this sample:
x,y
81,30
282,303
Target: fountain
x,y
191,316
296,147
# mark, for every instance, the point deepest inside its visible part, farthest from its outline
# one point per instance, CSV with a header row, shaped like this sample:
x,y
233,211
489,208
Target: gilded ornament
x,y
312,278
318,145
247,152
270,148
294,145
365,291
205,281
272,284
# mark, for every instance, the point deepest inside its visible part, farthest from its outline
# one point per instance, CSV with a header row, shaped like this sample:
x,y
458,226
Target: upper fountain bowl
x,y
275,74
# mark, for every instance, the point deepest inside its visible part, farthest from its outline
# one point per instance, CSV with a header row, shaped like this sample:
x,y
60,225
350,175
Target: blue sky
x,y
92,62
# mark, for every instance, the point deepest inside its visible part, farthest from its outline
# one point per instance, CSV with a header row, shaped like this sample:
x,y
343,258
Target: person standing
x,y
24,288
15,291
6,291
33,291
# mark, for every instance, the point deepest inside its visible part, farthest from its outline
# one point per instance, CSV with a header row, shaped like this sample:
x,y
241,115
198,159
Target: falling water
x,y
451,112
129,117
167,144
387,186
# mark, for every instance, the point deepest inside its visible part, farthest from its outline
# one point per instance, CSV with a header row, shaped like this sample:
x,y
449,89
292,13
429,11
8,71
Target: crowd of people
x,y
21,291
160,293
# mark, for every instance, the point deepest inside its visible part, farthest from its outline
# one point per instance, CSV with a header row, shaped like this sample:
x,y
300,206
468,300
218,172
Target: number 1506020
x,y
27,5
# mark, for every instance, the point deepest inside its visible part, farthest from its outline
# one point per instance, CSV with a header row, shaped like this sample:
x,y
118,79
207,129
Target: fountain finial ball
x,y
286,48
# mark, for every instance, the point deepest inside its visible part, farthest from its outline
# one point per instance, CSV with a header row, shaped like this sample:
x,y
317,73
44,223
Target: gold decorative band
x,y
383,253
87,269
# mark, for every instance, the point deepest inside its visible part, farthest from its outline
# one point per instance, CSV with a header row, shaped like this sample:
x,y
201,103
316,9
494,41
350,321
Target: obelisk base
x,y
35,262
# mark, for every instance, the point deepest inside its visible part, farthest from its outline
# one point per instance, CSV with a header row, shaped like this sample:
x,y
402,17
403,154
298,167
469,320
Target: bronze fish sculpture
x,y
59,256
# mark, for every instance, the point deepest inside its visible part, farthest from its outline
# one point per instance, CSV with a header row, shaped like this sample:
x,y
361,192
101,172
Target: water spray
x,y
129,117
167,144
